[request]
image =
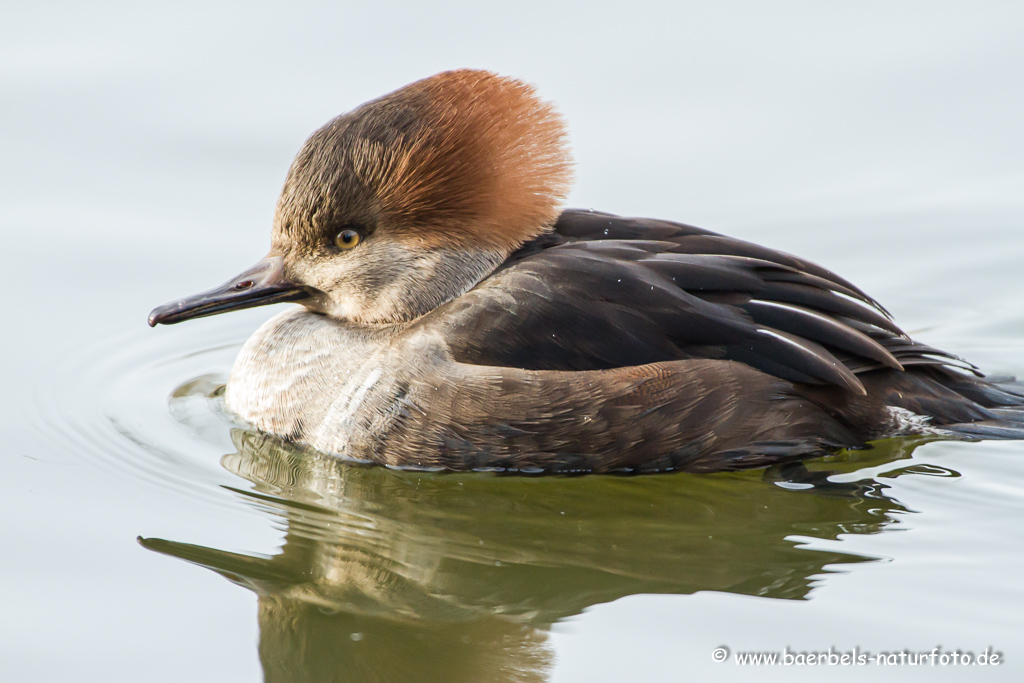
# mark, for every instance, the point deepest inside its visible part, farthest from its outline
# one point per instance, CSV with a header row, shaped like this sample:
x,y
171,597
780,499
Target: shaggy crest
x,y
464,157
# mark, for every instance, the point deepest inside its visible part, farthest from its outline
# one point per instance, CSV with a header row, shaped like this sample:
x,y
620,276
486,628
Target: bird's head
x,y
406,202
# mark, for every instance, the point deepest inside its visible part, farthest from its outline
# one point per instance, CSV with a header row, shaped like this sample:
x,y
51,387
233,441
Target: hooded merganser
x,y
453,317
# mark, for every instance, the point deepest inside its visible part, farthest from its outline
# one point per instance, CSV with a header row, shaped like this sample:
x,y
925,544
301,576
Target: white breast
x,y
302,374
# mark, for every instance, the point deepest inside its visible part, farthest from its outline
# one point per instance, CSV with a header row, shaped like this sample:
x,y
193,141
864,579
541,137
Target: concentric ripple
x,y
145,405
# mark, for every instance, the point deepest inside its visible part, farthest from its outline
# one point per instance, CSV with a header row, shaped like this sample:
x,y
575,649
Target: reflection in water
x,y
391,575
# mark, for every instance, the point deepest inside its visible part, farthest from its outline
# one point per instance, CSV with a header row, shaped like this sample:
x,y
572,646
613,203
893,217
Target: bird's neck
x,y
419,282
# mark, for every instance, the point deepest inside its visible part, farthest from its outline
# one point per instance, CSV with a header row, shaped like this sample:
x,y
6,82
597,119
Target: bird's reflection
x,y
411,576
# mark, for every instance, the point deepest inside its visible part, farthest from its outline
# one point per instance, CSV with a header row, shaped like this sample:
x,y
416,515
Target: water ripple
x,y
144,406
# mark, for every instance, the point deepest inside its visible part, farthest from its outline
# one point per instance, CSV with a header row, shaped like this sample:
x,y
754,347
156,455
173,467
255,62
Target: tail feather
x,y
1015,415
1010,385
990,393
1003,399
1009,422
954,402
990,429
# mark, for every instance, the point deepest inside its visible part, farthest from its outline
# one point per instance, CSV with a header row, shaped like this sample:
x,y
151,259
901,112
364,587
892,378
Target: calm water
x,y
147,538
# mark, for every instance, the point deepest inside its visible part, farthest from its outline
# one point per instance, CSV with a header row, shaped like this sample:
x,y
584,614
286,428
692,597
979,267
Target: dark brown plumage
x,y
617,344
459,325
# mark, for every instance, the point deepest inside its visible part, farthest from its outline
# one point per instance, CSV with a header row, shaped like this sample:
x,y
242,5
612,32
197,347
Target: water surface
x,y
143,150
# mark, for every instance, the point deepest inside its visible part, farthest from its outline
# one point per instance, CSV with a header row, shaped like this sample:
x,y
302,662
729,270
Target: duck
x,y
452,315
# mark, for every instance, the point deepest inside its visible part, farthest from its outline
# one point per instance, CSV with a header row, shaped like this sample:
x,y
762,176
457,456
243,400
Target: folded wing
x,y
603,292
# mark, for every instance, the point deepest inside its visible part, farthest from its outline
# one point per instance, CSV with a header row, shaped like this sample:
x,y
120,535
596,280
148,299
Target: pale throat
x,y
410,284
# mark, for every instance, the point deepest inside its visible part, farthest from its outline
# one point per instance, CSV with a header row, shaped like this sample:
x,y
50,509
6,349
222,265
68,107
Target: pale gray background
x,y
142,147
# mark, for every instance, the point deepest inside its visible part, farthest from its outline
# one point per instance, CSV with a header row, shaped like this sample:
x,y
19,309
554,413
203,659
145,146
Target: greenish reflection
x,y
409,576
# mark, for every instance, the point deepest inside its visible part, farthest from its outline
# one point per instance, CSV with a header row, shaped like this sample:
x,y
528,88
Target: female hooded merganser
x,y
452,316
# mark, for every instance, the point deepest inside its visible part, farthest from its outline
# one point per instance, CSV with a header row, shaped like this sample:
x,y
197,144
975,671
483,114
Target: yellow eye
x,y
347,239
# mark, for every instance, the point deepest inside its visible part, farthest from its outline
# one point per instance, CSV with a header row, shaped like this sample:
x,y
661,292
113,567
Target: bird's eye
x,y
347,239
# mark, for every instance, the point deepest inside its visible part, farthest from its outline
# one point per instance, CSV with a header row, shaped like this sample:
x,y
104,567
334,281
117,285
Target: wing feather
x,y
603,292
